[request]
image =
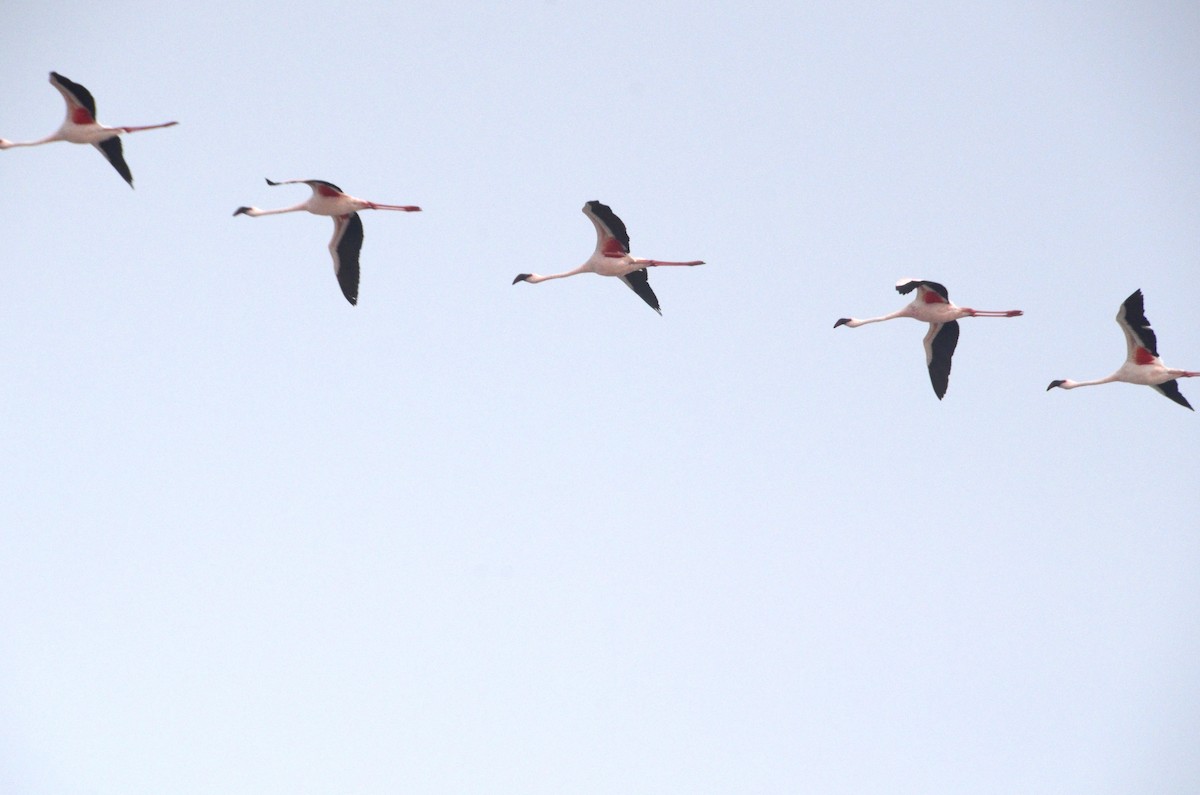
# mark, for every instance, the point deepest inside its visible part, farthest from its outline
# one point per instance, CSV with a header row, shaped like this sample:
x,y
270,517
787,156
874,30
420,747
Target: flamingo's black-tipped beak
x,y
521,277
241,211
1054,384
841,322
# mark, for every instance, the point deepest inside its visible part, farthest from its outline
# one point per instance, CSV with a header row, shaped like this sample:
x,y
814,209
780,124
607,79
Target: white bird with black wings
x,y
81,127
344,247
932,305
1142,364
612,257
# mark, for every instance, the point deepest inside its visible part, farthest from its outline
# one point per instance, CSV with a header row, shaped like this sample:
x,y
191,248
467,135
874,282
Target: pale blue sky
x,y
476,537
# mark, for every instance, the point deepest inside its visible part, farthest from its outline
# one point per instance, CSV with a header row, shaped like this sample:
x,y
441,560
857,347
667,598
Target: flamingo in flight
x,y
328,199
1142,364
81,127
611,257
932,305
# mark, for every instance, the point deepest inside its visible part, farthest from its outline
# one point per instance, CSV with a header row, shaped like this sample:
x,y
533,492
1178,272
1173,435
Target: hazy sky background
x,y
476,537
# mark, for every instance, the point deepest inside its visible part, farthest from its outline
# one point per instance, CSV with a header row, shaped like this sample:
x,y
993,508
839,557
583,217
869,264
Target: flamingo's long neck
x,y
534,278
1069,384
48,139
854,323
254,212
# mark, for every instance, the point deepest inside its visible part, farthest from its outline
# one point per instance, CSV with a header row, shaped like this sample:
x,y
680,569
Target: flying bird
x,y
611,257
932,305
81,127
328,199
1142,365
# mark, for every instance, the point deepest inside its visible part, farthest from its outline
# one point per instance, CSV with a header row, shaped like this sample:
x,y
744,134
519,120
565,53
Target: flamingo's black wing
x,y
639,282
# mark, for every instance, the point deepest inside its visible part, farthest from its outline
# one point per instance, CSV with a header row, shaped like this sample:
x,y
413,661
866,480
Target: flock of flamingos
x,y
931,304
